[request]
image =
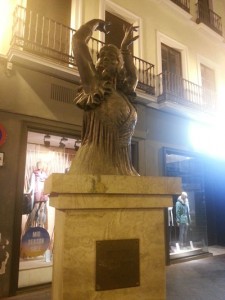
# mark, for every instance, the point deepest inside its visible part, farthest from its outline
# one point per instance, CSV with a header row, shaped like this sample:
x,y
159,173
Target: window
x,y
208,77
116,34
204,12
208,85
171,60
118,15
47,30
172,70
53,9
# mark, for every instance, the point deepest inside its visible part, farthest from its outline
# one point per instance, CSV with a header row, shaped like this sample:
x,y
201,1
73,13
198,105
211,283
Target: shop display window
x,y
46,154
187,230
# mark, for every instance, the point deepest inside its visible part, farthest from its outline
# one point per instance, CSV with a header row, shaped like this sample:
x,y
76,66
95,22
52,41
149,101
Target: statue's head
x,y
109,60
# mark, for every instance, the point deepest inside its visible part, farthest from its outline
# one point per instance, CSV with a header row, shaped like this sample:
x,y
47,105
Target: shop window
x,y
46,154
187,231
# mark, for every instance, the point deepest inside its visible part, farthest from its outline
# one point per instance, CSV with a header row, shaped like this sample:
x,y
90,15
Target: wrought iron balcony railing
x,y
50,39
45,37
184,4
173,88
209,18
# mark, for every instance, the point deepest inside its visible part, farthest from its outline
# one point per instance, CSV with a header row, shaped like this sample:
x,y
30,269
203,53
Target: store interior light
x,y
208,139
62,142
47,138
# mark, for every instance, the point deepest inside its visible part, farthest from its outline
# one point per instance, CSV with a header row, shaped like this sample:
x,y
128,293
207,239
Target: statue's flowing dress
x,y
108,124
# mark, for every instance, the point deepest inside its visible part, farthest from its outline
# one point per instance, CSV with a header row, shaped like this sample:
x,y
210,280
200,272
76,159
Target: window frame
x,y
163,39
125,14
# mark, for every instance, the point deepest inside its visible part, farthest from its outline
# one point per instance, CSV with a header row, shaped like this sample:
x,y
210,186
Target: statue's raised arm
x,y
81,52
105,96
131,72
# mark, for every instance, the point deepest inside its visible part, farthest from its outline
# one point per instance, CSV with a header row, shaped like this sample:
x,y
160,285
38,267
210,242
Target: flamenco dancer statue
x,y
105,96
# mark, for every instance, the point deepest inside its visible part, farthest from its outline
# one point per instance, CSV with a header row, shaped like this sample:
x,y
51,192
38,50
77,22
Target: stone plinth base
x,y
101,208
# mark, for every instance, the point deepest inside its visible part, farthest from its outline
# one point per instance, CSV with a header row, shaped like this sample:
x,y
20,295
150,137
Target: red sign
x,y
2,135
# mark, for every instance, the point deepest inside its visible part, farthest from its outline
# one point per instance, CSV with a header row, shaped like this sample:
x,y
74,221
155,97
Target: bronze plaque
x,y
117,264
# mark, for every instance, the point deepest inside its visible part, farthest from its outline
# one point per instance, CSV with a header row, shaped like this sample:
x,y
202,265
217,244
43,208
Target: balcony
x,y
174,89
209,18
184,4
47,38
46,41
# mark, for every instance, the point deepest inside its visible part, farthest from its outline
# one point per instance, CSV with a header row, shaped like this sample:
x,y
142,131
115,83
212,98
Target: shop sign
x,y
35,242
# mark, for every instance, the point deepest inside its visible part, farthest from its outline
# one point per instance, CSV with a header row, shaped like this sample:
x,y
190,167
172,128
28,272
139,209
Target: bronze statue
x,y
106,94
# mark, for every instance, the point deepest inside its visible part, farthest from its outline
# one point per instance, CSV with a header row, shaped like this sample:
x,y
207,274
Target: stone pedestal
x,y
95,209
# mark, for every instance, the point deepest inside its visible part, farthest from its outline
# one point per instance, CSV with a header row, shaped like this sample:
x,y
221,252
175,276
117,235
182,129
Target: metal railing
x,y
45,37
48,38
146,75
41,35
184,4
171,87
209,18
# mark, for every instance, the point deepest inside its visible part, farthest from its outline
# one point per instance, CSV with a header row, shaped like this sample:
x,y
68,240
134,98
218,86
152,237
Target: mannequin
x,y
183,218
37,181
38,216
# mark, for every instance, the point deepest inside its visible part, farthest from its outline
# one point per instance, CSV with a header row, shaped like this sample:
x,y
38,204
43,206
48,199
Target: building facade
x,y
180,61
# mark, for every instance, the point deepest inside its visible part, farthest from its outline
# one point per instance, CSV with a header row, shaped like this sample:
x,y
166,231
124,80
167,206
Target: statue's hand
x,y
128,37
103,26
